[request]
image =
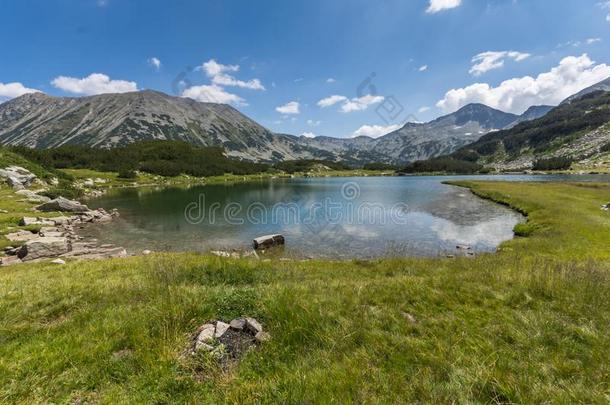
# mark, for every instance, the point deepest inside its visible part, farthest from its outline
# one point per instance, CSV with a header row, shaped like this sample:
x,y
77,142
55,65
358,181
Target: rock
x,y
56,234
43,247
267,241
238,324
3,212
63,205
17,177
409,317
146,252
221,329
253,325
220,253
58,261
88,183
262,337
205,336
463,247
61,220
21,236
9,260
606,207
32,196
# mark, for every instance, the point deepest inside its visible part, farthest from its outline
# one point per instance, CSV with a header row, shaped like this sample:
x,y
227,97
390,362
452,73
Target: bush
x,y
559,163
442,165
165,158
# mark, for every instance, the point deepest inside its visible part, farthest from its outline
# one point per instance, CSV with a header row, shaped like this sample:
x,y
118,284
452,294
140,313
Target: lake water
x,y
364,217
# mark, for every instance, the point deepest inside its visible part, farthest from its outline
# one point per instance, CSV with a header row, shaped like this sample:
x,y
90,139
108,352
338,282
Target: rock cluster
x,y
606,207
17,177
228,341
57,238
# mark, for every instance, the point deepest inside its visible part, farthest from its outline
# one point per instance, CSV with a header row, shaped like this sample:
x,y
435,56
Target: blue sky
x,y
385,61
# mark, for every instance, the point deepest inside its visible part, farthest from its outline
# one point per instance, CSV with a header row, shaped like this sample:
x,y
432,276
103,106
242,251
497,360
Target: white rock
x,y
206,336
58,261
221,329
253,325
238,324
146,252
262,337
43,247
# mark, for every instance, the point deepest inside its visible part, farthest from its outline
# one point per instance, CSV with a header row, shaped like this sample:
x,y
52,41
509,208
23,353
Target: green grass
x,y
526,325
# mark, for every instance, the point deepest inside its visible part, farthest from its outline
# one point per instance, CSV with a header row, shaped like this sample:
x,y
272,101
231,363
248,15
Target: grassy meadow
x,y
526,325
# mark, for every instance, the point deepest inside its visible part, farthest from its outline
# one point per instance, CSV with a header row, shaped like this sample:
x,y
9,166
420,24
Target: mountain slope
x,y
604,85
110,120
576,130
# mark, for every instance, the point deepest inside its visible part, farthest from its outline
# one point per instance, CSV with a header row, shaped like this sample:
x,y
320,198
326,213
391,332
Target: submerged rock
x,y
267,241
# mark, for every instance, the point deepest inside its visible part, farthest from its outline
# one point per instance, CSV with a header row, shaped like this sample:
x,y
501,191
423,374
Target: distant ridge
x,y
41,121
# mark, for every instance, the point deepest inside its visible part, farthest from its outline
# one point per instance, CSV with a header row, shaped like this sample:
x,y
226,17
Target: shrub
x,y
559,163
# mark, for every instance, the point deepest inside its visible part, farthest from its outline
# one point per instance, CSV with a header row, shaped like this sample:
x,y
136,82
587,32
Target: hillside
x,y
578,131
111,120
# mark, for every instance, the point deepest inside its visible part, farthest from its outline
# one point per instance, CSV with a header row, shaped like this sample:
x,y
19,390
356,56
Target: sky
x,y
338,68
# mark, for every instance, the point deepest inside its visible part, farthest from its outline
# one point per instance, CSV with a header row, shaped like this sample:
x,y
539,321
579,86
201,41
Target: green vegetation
x,y
558,163
164,158
442,165
305,165
526,325
538,137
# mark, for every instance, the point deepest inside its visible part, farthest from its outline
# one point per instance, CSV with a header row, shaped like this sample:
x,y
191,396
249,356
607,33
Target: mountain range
x,y
41,121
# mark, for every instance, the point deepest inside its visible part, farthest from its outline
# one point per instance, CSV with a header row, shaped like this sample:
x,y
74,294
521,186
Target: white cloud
x,y
440,5
313,123
308,135
330,101
608,18
572,75
155,62
375,131
361,103
292,107
15,89
423,109
486,61
213,68
593,40
95,83
604,4
330,80
219,74
349,105
213,94
423,68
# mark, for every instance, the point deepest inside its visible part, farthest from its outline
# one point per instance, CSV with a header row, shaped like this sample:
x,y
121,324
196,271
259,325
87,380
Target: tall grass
x,y
526,325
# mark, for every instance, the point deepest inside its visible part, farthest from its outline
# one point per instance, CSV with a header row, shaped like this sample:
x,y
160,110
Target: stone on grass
x,y
205,336
146,252
9,260
63,205
262,337
21,236
32,196
58,261
253,325
43,247
221,329
238,324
